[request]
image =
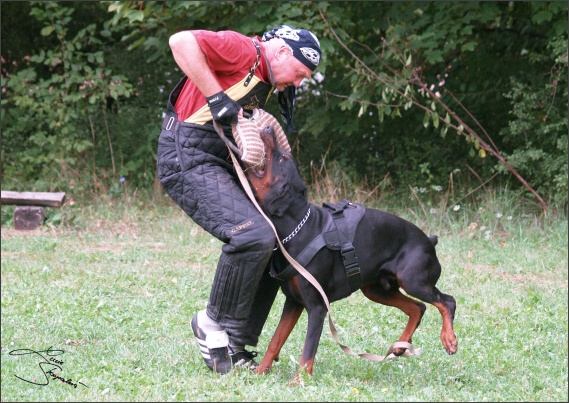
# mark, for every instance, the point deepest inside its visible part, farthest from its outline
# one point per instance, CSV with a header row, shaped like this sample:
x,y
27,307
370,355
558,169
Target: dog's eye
x,y
281,158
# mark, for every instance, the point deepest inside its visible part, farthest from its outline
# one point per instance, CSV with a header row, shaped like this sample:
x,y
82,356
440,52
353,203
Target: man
x,y
226,73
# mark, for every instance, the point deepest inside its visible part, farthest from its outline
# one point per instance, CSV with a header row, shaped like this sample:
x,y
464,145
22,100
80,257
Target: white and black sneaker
x,y
243,358
214,348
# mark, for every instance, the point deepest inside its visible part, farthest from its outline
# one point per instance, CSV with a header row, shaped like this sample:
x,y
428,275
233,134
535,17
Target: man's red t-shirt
x,y
230,56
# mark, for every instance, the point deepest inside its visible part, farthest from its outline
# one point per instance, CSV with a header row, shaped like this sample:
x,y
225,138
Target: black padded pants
x,y
196,172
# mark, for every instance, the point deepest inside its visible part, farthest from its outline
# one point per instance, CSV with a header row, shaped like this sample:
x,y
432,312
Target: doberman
x,y
391,253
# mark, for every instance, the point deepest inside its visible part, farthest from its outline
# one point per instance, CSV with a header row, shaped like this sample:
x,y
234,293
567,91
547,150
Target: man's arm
x,y
190,58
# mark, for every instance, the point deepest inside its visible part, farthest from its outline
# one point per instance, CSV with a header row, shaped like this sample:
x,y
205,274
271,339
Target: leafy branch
x,y
405,82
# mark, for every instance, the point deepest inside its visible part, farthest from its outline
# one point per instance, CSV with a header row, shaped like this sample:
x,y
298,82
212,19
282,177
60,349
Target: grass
x,y
114,284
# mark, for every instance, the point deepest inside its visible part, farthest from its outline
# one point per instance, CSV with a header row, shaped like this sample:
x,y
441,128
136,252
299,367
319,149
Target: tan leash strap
x,y
399,344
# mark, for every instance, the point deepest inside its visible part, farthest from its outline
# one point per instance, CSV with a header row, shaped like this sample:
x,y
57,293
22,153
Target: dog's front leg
x,y
291,312
316,315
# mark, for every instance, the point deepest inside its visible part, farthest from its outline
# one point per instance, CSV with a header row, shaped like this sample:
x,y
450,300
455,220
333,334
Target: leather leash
x,y
410,351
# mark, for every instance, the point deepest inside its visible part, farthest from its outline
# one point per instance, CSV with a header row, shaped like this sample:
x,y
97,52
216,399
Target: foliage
x,y
488,61
539,123
48,104
434,58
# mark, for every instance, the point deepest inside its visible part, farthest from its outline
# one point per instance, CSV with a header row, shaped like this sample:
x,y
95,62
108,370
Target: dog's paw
x,y
261,370
450,343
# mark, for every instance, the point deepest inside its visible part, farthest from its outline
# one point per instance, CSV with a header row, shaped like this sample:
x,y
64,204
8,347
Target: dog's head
x,y
278,185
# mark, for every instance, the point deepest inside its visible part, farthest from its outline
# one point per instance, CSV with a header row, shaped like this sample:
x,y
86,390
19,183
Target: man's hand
x,y
223,109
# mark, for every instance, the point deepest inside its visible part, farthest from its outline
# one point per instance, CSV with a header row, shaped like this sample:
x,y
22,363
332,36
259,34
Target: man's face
x,y
288,70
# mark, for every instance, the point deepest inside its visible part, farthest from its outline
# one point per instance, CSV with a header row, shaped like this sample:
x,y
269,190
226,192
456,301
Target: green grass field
x,y
113,290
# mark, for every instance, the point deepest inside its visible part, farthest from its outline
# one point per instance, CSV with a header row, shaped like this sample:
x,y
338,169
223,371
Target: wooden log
x,y
28,217
49,199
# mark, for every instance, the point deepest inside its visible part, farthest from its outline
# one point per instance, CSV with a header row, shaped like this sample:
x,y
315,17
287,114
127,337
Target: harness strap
x,y
347,249
338,238
306,255
268,64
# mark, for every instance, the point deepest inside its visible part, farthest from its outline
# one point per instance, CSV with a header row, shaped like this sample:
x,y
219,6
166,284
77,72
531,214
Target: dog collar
x,y
295,231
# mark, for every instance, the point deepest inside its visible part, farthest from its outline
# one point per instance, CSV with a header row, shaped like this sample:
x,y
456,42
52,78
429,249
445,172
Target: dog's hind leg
x,y
419,281
393,297
446,305
291,312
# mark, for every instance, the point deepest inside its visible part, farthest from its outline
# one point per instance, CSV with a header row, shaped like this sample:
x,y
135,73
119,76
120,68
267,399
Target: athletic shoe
x,y
214,348
244,359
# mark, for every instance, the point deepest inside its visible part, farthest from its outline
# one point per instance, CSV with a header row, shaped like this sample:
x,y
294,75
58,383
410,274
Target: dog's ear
x,y
434,239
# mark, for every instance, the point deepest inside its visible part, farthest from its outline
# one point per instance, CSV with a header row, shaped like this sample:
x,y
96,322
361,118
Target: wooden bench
x,y
29,212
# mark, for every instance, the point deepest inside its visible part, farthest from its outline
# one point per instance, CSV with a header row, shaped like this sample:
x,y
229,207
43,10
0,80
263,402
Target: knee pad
x,y
233,290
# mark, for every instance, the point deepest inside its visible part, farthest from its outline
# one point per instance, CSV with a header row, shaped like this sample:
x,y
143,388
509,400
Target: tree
x,y
425,52
48,103
499,67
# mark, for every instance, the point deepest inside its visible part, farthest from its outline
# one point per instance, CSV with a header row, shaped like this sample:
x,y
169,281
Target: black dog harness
x,y
337,234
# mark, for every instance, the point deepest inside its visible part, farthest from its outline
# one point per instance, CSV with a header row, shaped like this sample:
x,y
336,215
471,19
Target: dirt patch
x,y
543,279
41,231
116,247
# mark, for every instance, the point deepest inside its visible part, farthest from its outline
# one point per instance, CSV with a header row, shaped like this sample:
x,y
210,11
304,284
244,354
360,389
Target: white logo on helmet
x,y
288,33
311,55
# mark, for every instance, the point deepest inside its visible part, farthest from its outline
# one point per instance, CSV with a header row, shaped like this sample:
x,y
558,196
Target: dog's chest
x,y
334,227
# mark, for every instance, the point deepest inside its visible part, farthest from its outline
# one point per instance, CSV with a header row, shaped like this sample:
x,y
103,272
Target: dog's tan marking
x,y
261,181
409,306
448,337
288,321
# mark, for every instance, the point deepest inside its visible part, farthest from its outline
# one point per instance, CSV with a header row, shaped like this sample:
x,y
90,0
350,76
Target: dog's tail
x,y
434,239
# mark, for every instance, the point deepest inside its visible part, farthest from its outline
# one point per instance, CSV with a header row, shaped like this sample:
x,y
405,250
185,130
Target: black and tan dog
x,y
389,253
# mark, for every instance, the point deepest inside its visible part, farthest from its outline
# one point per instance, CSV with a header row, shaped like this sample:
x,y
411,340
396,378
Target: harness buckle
x,y
351,261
